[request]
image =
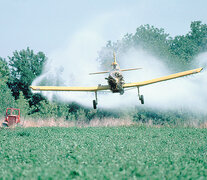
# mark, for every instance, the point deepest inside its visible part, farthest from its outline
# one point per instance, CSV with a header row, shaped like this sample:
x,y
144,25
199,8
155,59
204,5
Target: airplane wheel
x,y
94,104
142,99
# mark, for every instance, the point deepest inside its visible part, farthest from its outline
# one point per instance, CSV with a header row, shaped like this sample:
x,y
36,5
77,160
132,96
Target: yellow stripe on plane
x,y
164,78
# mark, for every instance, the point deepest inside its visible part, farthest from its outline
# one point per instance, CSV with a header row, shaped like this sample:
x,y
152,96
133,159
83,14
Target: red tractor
x,y
12,117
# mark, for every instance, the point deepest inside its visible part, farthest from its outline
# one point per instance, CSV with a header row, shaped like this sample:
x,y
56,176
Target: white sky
x,y
47,25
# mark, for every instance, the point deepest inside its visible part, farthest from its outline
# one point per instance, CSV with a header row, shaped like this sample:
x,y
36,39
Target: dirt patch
x,y
106,122
62,123
46,123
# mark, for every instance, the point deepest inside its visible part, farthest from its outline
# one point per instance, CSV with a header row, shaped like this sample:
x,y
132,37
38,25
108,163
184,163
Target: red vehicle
x,y
12,117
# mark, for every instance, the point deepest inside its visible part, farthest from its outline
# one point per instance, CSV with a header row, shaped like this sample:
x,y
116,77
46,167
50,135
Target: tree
x,y
25,66
152,39
188,46
44,109
6,98
198,34
4,70
22,104
177,52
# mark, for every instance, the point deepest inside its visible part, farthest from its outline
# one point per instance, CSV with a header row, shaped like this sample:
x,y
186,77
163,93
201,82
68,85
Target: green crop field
x,y
103,153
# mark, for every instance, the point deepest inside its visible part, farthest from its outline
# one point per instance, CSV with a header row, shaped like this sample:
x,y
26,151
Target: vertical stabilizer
x,y
114,58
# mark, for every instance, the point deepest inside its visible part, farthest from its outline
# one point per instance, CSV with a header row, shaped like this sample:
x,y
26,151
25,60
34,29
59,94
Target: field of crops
x,y
103,153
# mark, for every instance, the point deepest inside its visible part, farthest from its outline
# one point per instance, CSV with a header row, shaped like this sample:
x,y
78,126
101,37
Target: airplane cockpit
x,y
115,66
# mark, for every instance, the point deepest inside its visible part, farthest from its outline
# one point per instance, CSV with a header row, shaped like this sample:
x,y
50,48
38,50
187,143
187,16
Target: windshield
x,y
115,74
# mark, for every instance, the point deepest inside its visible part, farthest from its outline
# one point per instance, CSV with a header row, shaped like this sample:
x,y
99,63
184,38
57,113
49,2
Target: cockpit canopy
x,y
115,66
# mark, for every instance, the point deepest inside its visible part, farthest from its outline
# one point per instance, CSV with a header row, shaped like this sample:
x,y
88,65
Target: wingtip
x,y
32,87
201,69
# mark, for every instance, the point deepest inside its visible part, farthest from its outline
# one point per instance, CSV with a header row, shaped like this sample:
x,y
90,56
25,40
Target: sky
x,y
71,33
50,25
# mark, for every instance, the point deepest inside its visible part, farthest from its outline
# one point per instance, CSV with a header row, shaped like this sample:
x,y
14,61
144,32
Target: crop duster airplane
x,y
116,82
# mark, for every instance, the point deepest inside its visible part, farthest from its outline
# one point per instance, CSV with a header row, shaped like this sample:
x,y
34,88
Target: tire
x,y
5,124
94,104
142,99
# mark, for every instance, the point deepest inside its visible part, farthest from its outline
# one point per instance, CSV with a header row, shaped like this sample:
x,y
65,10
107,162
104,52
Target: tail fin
x,y
114,63
114,57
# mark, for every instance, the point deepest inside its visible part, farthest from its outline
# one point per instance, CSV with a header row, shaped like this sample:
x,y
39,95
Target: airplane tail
x,y
114,64
104,72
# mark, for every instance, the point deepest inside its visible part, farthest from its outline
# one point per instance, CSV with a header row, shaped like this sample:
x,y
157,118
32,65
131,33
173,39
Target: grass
x,y
103,153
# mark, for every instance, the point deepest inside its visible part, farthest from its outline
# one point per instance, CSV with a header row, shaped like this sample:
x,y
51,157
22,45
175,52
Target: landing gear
x,y
95,102
141,97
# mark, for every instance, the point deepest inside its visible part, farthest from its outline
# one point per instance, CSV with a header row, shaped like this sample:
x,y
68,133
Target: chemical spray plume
x,y
188,92
71,66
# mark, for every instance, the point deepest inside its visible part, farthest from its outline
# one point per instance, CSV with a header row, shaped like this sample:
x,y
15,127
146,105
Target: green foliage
x,y
187,47
179,117
4,70
75,112
152,39
25,66
44,110
177,52
62,110
103,153
22,104
6,99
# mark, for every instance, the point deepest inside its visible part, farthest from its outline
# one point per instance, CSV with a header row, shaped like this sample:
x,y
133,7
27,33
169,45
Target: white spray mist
x,y
71,66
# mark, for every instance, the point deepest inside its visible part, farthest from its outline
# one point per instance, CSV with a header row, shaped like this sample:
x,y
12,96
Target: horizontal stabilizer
x,y
103,72
131,69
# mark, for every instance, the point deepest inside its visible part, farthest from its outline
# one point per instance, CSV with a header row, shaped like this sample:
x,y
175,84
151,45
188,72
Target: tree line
x,y
18,72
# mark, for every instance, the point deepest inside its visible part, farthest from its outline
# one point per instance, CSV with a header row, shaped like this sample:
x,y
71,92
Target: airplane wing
x,y
106,87
59,88
164,78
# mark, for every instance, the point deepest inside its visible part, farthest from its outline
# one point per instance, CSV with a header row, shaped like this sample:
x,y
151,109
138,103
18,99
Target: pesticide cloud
x,y
71,65
183,93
